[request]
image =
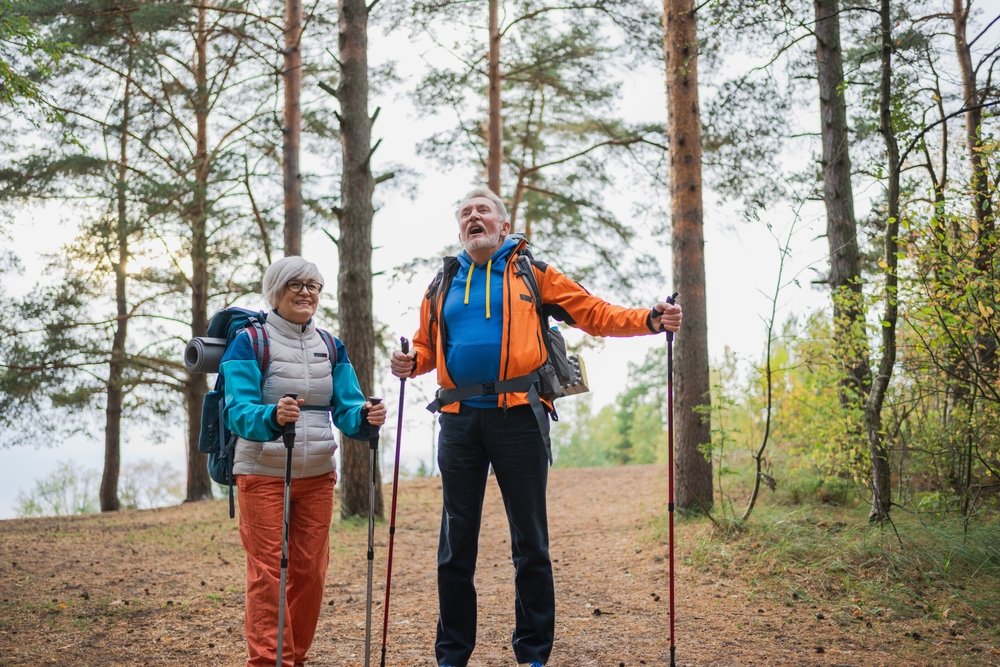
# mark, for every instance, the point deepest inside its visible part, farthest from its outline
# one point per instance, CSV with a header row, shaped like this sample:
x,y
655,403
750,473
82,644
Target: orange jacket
x,y
522,348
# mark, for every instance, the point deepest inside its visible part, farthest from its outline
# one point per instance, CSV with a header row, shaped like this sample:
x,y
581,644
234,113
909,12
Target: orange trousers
x,y
262,501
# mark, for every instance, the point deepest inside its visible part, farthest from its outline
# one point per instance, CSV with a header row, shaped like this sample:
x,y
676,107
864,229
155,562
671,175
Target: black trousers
x,y
469,442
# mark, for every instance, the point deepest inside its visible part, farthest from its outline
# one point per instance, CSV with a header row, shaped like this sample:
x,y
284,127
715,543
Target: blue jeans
x,y
469,442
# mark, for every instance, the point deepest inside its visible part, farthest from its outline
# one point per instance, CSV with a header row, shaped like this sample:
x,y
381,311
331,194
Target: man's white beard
x,y
491,241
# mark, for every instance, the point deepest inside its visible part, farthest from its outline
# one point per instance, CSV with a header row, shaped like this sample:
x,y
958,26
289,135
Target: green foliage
x,y
148,483
815,553
24,56
561,68
581,438
424,470
67,490
629,431
70,489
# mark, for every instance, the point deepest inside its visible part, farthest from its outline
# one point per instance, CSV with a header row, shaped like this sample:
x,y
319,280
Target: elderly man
x,y
481,331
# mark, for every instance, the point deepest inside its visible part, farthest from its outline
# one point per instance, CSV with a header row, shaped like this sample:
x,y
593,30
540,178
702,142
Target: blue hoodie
x,y
475,325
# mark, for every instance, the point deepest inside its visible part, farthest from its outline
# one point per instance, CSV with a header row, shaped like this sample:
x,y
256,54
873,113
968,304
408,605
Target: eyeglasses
x,y
299,287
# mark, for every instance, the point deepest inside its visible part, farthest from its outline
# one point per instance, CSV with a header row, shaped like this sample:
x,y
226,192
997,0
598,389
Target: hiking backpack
x,y
215,439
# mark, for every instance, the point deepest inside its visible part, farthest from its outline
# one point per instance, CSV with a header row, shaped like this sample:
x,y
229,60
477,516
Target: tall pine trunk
x,y
116,367
838,196
354,285
199,484
878,449
494,159
986,243
692,401
291,132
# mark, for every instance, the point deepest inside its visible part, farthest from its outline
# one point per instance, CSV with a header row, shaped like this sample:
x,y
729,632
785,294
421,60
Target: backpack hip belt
x,y
525,383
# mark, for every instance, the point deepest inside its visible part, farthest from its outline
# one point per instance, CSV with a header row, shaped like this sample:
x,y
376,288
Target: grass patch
x,y
936,569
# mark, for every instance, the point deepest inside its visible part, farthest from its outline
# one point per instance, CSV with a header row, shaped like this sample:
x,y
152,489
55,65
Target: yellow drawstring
x,y
489,267
468,283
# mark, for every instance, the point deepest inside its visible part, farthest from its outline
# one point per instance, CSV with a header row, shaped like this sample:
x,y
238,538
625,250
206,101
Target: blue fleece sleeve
x,y
348,402
244,415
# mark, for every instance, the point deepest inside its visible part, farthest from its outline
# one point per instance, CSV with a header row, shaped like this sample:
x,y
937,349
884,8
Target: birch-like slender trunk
x,y
878,450
693,473
982,204
115,390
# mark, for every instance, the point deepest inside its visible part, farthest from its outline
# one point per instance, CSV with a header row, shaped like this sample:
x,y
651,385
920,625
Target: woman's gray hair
x,y
488,194
283,270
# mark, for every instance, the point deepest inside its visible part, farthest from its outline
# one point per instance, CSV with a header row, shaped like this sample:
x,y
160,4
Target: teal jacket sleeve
x,y
347,401
244,415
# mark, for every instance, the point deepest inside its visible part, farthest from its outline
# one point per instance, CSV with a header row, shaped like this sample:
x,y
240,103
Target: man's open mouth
x,y
475,229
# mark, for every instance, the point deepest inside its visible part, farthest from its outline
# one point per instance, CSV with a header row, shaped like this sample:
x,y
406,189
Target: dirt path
x,y
165,587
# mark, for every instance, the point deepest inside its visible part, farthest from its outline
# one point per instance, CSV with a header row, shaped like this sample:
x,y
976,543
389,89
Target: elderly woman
x,y
256,410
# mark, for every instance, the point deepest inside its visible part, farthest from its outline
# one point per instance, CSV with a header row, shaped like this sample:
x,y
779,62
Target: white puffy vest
x,y
299,364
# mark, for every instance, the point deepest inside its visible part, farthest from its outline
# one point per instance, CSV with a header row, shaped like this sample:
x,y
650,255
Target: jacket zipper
x,y
507,287
302,414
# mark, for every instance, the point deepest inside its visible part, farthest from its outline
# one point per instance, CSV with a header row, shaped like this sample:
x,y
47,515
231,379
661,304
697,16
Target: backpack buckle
x,y
488,388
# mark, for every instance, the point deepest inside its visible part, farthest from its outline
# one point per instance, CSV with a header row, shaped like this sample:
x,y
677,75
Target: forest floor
x,y
165,587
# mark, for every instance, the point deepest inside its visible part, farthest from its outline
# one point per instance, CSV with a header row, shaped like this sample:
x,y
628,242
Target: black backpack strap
x,y
523,268
330,345
432,293
259,340
262,350
230,461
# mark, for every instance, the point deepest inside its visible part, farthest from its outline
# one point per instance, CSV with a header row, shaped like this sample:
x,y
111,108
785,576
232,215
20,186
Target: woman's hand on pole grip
x,y
287,410
376,413
669,317
403,365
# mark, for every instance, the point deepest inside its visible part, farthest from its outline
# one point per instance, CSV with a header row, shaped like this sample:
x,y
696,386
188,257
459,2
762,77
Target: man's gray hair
x,y
488,194
283,270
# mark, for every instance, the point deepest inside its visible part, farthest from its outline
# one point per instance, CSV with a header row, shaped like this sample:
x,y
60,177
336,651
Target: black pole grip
x,y
373,438
653,312
288,430
405,344
672,299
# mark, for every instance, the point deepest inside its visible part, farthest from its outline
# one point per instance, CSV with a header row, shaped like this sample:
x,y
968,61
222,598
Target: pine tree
x,y
693,471
554,104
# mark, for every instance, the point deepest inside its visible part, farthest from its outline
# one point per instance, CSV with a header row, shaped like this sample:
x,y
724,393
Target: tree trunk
x,y
354,285
986,243
199,484
838,196
293,128
878,450
693,401
115,390
494,159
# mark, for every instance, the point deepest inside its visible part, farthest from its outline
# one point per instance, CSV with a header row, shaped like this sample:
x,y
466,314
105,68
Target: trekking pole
x,y
372,447
288,435
405,344
670,466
